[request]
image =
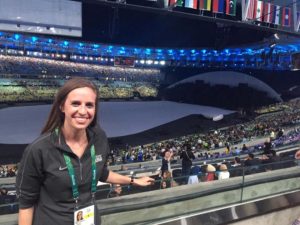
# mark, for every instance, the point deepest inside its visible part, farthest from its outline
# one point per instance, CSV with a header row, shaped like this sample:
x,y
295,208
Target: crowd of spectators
x,y
8,170
228,140
24,79
29,91
37,66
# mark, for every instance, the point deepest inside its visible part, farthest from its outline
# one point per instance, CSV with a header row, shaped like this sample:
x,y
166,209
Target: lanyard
x,y
72,174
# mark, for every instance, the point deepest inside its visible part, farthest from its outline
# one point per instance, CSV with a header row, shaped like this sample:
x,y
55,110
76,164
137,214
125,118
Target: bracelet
x,y
131,180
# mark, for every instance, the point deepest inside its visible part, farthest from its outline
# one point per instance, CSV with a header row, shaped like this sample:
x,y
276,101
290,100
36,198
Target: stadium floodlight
x,y
155,62
162,62
149,62
142,61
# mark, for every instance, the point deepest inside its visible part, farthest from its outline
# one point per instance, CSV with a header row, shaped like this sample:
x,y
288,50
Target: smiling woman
x,y
59,171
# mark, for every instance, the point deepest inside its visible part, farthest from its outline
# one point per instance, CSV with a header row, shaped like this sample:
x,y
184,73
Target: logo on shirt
x,y
62,168
98,158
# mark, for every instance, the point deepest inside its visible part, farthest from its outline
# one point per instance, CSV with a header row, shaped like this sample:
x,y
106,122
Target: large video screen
x,y
56,17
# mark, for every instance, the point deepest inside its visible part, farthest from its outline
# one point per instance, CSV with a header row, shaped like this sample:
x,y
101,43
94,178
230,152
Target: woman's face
x,y
79,109
79,216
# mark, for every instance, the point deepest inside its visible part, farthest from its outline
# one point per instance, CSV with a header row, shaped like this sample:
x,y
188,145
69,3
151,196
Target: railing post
x,y
242,186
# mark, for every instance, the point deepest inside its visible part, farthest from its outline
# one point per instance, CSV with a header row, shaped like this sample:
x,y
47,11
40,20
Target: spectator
x,y
116,191
166,161
210,173
187,156
223,172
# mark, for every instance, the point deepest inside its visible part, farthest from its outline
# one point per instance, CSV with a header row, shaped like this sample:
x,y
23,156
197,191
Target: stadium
x,y
211,82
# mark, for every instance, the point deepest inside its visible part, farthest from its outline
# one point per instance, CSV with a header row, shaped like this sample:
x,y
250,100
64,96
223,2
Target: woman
x,y
210,173
187,156
79,216
59,171
223,172
166,161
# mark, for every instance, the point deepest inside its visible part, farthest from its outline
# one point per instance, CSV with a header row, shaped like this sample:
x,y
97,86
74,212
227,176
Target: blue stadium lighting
x,y
80,44
1,33
50,40
148,51
170,51
193,51
17,36
203,51
66,43
226,51
96,46
121,52
219,59
34,39
136,51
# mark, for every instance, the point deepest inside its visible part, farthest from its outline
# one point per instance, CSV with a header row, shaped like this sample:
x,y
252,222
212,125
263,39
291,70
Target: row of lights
x,y
46,55
151,62
91,58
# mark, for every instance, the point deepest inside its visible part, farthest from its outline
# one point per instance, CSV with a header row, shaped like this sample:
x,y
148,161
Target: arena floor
x,y
22,124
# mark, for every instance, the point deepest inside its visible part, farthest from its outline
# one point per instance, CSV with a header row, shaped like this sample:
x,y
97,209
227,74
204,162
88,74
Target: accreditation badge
x,y
85,216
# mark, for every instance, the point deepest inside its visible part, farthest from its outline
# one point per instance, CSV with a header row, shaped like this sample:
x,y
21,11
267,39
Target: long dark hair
x,y
56,117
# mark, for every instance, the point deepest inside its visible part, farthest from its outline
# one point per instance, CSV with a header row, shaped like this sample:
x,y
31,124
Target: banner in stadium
x,y
231,7
191,4
205,5
218,6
